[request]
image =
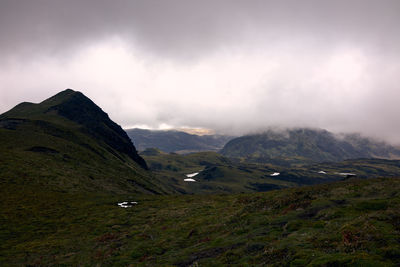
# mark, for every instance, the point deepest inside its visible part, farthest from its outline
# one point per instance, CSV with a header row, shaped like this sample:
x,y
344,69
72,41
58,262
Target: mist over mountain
x,y
231,66
306,145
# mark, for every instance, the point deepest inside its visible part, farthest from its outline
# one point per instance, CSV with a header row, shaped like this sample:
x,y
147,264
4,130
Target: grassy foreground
x,y
352,222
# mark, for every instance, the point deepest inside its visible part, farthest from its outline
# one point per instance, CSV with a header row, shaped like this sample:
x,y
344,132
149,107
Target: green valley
x,y
215,173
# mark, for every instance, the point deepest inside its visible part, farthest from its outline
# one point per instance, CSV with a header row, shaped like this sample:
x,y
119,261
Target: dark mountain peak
x,y
63,94
69,97
33,110
76,107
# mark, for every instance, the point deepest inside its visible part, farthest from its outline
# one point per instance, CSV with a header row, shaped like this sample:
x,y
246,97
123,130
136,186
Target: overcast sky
x,y
232,66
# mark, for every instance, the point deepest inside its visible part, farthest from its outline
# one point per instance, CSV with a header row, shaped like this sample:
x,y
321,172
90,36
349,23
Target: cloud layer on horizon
x,y
232,66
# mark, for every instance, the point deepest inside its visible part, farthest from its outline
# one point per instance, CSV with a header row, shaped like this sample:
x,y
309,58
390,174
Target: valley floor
x,y
355,222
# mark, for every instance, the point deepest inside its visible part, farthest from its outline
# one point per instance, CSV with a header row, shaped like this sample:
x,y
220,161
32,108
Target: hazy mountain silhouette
x,y
313,145
176,141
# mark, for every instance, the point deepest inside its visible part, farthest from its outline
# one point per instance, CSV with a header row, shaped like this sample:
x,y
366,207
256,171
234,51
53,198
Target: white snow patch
x,y
346,173
322,172
127,204
275,174
189,180
190,175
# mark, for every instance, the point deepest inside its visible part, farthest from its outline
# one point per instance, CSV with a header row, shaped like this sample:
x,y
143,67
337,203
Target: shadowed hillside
x,y
68,143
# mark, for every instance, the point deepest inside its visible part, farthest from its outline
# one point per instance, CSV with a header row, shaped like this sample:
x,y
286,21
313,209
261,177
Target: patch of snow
x,y
127,204
190,175
189,180
322,172
346,173
275,174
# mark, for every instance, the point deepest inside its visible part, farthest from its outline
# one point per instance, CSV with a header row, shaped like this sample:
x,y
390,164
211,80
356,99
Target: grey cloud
x,y
291,53
188,28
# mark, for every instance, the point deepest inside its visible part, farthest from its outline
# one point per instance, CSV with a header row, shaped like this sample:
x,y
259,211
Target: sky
x,y
233,66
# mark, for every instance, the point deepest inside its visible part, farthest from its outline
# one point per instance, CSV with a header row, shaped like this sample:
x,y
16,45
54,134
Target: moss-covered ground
x,y
354,222
218,174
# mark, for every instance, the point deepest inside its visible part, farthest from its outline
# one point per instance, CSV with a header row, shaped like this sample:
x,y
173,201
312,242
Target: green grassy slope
x,y
67,143
218,174
345,223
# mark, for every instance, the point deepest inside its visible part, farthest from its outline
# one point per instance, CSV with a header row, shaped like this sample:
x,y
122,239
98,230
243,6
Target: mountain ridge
x,y
176,141
68,143
78,108
306,144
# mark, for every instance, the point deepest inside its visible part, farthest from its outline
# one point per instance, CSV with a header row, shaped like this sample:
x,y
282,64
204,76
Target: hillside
x,y
213,173
68,143
297,146
350,223
75,192
176,141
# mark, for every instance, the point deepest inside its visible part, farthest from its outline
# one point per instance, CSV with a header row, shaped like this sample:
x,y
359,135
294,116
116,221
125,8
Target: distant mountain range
x,y
68,143
176,141
286,147
306,145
